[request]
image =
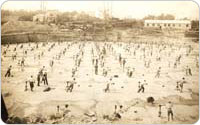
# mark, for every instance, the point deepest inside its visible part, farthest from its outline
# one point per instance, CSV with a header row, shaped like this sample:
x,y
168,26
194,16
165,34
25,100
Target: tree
x,y
5,13
185,18
160,17
195,24
169,17
26,18
149,17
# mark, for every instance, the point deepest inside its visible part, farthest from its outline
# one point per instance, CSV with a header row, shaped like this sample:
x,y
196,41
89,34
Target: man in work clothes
x,y
158,73
8,73
169,107
107,89
181,84
96,69
123,63
44,78
22,62
141,86
70,85
31,82
38,78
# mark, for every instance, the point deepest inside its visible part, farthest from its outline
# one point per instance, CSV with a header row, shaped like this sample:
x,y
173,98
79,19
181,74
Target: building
x,y
168,24
39,18
48,17
51,16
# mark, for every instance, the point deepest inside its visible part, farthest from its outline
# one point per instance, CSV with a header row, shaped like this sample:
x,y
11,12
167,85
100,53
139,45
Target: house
x,y
39,18
47,17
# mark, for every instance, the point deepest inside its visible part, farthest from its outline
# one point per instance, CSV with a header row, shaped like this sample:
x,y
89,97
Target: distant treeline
x,y
160,17
64,17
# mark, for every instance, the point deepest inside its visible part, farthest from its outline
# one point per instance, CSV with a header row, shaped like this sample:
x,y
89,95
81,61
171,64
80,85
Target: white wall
x,y
169,25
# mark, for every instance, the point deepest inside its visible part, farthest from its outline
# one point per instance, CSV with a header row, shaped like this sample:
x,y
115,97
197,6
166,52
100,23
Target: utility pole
x,y
43,5
106,19
107,16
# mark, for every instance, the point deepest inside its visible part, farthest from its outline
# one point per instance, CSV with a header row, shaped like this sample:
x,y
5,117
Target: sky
x,y
120,9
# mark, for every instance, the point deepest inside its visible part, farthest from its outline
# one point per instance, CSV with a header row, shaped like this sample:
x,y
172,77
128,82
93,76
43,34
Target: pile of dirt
x,y
180,100
23,26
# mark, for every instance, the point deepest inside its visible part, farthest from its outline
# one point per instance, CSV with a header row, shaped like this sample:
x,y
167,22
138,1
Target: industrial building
x,y
168,24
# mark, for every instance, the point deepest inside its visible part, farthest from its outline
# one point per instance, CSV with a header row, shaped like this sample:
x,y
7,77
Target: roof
x,y
39,15
168,21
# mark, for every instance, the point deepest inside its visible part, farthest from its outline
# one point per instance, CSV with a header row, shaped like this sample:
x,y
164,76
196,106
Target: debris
x,y
150,100
47,89
116,76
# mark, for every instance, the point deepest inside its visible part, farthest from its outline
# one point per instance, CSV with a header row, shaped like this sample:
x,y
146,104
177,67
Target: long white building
x,y
169,24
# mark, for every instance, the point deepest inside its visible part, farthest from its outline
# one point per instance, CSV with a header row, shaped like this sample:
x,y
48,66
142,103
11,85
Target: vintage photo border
x,y
195,1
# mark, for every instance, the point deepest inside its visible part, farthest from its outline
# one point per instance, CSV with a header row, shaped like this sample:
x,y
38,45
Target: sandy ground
x,y
88,95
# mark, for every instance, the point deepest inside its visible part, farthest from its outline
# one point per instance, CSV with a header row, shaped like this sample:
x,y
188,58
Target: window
x,y
153,24
165,25
147,24
179,25
158,24
173,25
187,25
168,24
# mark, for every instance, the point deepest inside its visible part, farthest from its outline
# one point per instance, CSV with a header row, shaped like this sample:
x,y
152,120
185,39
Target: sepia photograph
x,y
100,62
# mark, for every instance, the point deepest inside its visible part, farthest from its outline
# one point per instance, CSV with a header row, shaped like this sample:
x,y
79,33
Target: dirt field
x,y
88,96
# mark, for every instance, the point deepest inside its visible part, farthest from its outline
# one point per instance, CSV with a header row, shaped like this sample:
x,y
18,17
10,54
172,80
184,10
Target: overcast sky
x,y
121,9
